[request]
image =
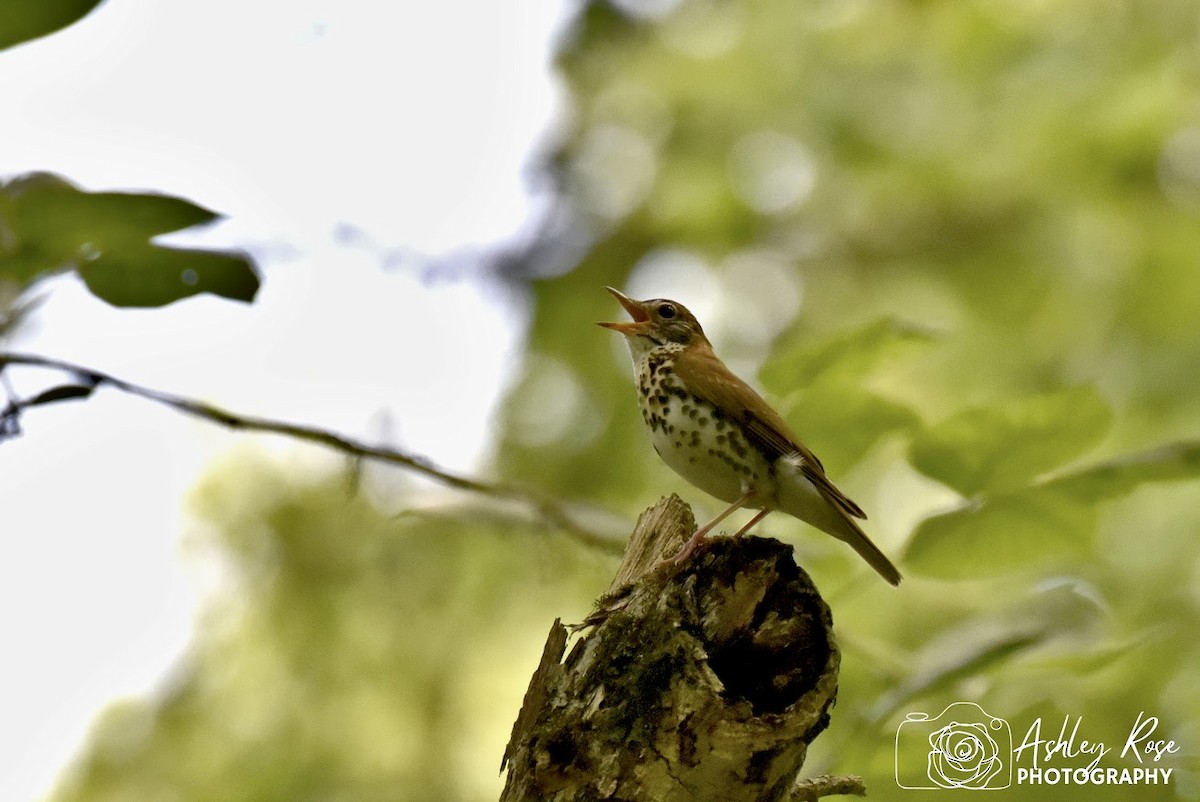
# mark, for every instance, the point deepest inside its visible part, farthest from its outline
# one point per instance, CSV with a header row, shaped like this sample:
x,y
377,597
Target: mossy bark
x,y
703,681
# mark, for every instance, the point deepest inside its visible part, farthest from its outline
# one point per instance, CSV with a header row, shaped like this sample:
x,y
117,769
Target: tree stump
x,y
703,681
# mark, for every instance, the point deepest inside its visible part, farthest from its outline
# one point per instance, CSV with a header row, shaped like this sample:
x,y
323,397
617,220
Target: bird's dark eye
x,y
666,311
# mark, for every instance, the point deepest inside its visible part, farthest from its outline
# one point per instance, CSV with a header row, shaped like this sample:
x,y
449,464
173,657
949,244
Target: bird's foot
x,y
697,540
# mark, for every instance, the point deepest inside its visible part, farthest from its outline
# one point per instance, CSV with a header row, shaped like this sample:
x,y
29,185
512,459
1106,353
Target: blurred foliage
x,y
990,213
352,654
48,226
1004,447
956,240
1040,521
22,20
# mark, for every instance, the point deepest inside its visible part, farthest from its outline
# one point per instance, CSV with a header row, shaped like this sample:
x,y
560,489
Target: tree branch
x,y
814,788
548,509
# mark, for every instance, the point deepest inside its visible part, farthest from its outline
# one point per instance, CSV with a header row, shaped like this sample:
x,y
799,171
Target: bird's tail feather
x,y
858,540
817,505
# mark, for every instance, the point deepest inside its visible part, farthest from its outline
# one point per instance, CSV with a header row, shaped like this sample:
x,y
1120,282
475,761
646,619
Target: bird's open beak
x,y
640,317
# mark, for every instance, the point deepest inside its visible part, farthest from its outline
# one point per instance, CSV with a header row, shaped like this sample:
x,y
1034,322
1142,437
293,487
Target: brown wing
x,y
707,377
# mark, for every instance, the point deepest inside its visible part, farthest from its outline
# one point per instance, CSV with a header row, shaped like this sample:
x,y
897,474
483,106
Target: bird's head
x,y
657,321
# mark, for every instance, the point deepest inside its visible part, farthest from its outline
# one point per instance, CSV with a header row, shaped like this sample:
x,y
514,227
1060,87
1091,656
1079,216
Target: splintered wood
x,y
703,681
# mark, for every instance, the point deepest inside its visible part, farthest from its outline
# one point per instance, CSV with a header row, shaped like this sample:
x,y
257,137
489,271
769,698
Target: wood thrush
x,y
714,430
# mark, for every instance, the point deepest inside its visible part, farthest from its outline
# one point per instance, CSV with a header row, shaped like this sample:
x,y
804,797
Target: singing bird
x,y
714,430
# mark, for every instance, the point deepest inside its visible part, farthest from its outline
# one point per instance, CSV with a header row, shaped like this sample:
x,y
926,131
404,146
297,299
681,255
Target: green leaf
x,y
1116,477
977,655
103,219
847,354
1051,521
22,20
1003,447
840,422
1001,535
64,392
50,226
157,276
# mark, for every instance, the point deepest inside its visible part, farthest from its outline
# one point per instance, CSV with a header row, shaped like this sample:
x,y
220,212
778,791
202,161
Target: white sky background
x,y
413,122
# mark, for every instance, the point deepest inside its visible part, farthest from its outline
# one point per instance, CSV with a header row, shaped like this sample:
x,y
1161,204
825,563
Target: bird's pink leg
x,y
750,524
698,536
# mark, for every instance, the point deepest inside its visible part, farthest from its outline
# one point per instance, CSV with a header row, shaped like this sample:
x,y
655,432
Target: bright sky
x,y
411,122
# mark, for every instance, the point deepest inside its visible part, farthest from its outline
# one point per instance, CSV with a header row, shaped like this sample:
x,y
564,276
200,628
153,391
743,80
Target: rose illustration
x,y
963,755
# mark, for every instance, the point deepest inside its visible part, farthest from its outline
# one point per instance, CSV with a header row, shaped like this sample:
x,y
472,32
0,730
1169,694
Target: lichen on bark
x,y
701,681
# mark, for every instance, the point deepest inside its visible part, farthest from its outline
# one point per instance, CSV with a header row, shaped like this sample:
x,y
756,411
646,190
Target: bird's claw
x,y
687,550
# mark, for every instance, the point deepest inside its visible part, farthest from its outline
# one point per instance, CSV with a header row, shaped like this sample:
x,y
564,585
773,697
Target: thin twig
x,y
826,785
550,510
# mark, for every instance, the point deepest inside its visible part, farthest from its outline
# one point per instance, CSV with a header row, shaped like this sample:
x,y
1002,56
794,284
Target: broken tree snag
x,y
703,681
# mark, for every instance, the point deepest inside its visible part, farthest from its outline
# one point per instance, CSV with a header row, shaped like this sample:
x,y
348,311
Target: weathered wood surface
x,y
703,681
